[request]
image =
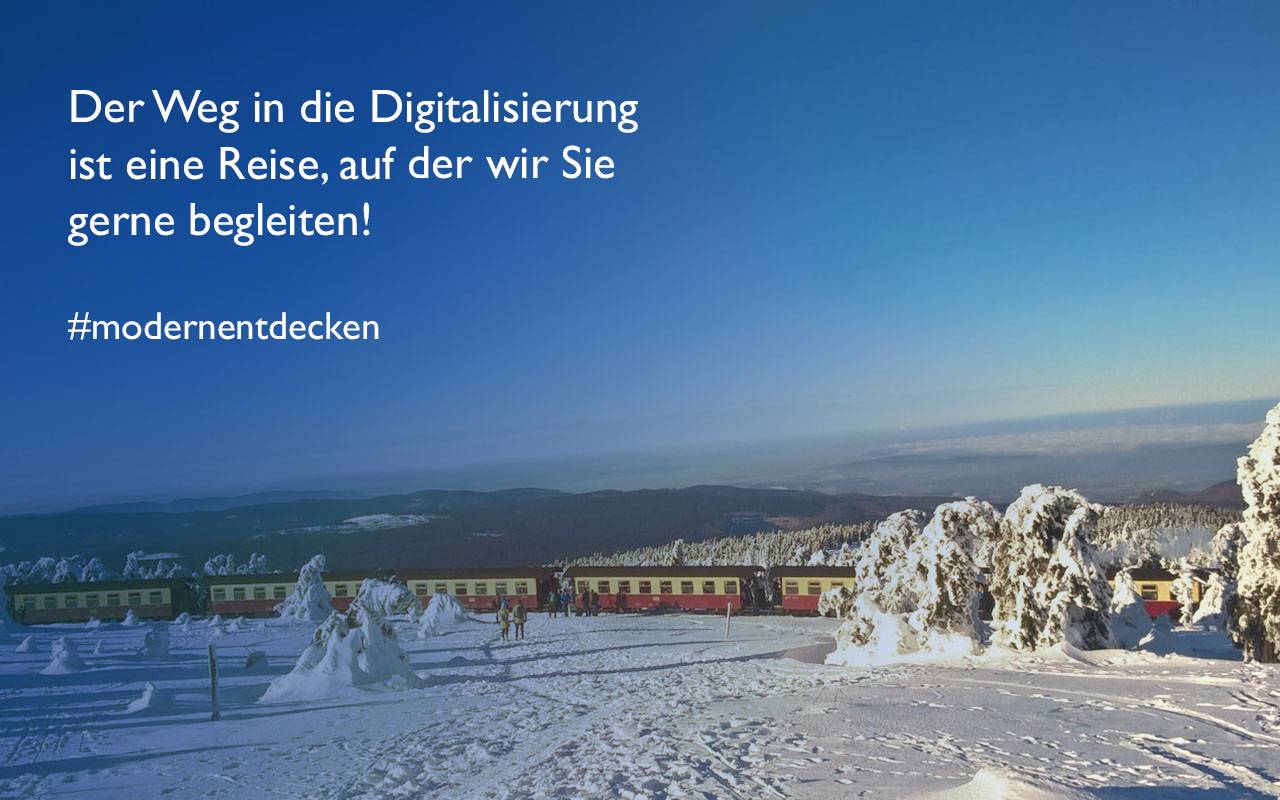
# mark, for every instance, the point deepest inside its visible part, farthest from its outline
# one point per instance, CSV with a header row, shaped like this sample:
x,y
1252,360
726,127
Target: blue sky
x,y
834,218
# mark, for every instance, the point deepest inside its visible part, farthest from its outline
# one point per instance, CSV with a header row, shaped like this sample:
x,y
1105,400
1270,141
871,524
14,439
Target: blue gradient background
x,y
834,218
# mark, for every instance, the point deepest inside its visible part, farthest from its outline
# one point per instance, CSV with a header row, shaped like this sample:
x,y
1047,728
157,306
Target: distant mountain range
x,y
452,528
1226,495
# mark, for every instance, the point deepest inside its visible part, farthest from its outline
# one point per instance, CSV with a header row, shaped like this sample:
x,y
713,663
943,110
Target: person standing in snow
x,y
595,603
504,621
519,616
553,604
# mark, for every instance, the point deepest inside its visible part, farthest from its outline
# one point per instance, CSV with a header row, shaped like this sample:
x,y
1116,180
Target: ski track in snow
x,y
631,707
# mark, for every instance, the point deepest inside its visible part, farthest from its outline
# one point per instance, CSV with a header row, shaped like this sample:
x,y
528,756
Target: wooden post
x,y
728,614
213,684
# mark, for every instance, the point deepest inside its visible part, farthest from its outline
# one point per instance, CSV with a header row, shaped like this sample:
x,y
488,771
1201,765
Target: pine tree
x,y
1046,580
1255,622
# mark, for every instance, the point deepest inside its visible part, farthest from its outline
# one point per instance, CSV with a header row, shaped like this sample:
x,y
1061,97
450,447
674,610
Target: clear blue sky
x,y
834,217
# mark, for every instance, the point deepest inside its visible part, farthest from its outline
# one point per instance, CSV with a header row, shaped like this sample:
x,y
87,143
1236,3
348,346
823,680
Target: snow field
x,y
635,707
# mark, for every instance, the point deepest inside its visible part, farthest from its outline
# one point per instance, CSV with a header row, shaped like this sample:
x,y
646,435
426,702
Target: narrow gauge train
x,y
794,590
648,588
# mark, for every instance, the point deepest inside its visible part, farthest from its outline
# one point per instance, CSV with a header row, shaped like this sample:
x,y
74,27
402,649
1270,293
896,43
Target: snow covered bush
x,y
1046,580
880,587
130,619
442,612
1130,622
151,699
65,660
354,648
7,625
27,645
309,601
155,643
1218,595
835,602
1255,614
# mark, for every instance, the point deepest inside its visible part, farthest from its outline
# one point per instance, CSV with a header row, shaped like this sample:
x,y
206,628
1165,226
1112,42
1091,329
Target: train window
x,y
708,587
219,593
459,588
583,586
602,586
624,587
646,587
815,587
686,587
155,598
500,588
135,598
837,584
259,593
70,601
91,601
113,600
28,603
421,589
237,593
278,592
442,588
664,587
1150,591
522,588
482,588
339,590
730,587
791,587
51,601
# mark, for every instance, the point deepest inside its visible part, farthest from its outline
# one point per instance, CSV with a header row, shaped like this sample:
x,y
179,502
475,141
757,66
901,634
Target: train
x,y
786,590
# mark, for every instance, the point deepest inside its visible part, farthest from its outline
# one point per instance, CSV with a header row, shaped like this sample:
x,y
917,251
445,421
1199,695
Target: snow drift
x,y
996,784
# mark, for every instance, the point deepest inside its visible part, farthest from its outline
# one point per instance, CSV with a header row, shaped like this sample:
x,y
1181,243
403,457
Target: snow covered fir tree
x,y
1255,610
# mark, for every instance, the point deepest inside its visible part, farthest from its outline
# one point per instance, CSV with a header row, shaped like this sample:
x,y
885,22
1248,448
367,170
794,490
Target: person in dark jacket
x,y
519,616
595,603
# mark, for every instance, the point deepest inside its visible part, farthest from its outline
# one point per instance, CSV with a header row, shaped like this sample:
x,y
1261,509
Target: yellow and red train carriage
x,y
687,588
482,589
799,588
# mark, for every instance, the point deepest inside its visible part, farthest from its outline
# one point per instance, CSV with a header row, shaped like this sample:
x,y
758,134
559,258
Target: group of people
x,y
566,601
586,604
509,615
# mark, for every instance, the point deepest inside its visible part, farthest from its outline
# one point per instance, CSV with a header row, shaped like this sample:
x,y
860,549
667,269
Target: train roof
x,y
650,570
464,573
1154,573
292,577
95,586
823,571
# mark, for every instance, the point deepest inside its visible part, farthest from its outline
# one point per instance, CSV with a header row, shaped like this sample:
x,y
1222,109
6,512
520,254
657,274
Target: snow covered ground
x,y
634,706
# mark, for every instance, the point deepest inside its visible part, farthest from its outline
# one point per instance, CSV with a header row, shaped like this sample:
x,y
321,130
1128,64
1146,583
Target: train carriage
x,y
1155,586
481,589
38,603
258,595
800,587
642,588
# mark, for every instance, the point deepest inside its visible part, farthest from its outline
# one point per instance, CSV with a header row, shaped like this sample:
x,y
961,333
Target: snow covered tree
x,y
1046,579
1255,623
155,643
1130,622
676,557
883,589
309,601
941,562
1183,590
442,612
1219,594
64,659
352,648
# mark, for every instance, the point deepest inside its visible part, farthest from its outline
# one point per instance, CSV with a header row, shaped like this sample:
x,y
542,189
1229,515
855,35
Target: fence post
x,y
213,684
728,614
